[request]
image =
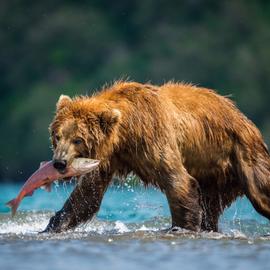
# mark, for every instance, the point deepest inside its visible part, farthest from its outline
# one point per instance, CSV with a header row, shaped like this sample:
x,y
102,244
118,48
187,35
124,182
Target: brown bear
x,y
192,143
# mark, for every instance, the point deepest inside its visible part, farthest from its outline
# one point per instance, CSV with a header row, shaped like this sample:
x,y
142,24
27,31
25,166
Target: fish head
x,y
84,165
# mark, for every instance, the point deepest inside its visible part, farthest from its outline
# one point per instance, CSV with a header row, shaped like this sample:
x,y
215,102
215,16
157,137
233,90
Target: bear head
x,y
83,127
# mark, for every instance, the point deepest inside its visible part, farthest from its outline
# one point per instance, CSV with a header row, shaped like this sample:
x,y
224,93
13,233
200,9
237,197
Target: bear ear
x,y
108,119
63,101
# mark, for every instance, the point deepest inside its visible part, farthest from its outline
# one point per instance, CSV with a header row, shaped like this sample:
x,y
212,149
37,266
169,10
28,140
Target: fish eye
x,y
78,141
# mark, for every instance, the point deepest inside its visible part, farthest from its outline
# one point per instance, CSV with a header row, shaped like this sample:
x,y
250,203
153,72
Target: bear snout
x,y
60,165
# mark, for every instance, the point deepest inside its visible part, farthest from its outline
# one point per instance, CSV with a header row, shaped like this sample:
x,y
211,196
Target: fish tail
x,y
13,204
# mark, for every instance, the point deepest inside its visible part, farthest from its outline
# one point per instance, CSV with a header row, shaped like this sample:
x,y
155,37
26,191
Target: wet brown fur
x,y
192,143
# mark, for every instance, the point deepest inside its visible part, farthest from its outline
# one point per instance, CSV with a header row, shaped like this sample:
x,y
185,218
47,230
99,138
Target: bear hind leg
x,y
218,193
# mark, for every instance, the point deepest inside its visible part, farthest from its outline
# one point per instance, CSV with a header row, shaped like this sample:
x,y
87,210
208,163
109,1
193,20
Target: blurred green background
x,y
74,47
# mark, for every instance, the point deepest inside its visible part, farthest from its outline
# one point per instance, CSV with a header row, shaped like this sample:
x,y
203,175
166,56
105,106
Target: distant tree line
x,y
74,47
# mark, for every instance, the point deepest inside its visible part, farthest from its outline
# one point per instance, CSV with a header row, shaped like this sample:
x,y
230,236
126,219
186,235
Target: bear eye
x,y
77,141
57,138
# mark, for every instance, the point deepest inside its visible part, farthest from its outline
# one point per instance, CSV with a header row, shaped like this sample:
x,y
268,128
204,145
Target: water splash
x,y
27,225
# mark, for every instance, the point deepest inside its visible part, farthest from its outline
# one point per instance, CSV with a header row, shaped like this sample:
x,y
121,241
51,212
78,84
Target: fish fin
x,y
43,163
29,194
13,204
48,187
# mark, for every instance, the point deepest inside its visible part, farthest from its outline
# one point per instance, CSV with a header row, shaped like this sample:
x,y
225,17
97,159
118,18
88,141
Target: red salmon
x,y
47,174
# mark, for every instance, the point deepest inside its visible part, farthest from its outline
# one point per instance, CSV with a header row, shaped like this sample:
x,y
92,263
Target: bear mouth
x,y
79,167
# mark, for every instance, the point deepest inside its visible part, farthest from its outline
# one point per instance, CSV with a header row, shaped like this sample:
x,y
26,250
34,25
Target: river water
x,y
128,233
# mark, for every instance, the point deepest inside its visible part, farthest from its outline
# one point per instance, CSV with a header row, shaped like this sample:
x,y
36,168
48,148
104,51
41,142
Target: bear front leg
x,y
82,204
184,198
